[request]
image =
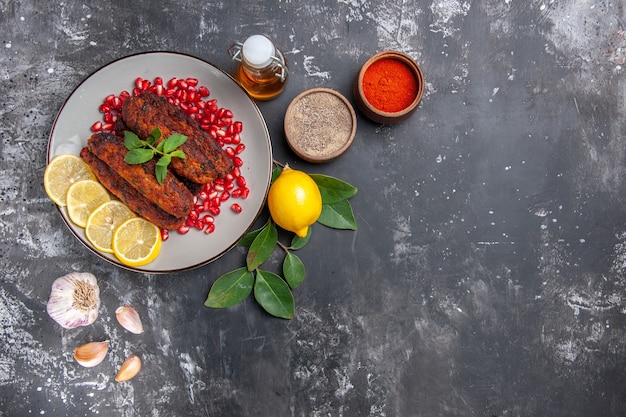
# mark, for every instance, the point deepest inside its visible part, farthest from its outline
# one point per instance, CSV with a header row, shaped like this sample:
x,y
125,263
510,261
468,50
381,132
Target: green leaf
x,y
138,156
293,270
298,242
249,237
338,215
230,289
159,147
132,141
160,172
276,173
154,136
178,153
164,161
274,295
173,141
262,247
333,189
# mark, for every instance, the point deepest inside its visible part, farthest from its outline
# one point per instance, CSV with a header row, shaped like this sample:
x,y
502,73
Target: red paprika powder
x,y
389,85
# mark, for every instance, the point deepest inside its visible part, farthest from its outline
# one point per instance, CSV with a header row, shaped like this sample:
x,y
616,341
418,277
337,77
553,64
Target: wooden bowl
x,y
320,125
380,111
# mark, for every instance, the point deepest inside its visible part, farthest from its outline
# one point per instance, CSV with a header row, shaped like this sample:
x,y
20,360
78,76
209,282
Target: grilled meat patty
x,y
136,201
205,159
171,196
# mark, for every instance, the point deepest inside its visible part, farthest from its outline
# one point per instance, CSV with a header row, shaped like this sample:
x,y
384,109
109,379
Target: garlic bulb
x,y
130,368
74,300
91,354
129,319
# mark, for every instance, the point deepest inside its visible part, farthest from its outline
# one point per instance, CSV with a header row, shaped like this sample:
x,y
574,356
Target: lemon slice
x,y
63,171
136,242
82,198
103,221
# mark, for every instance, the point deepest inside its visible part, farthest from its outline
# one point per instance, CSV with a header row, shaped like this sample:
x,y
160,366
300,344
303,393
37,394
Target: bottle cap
x,y
258,51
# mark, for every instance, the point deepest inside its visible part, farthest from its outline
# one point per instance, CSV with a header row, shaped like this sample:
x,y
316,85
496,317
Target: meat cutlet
x,y
171,196
136,201
204,159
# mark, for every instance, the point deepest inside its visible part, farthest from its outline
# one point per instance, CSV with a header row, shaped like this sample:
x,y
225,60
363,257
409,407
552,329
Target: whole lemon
x,y
294,201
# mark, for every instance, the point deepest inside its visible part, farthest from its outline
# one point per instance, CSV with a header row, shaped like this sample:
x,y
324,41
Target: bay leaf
x,y
262,246
230,289
273,294
333,189
293,270
338,215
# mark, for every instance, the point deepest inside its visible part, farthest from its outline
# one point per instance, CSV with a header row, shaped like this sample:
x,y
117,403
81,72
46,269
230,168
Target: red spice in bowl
x,y
389,87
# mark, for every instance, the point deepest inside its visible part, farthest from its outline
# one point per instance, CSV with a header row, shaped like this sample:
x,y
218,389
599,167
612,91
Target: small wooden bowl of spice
x,y
320,125
389,87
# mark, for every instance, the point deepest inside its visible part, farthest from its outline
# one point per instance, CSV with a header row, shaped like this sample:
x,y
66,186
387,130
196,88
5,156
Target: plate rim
x,y
144,269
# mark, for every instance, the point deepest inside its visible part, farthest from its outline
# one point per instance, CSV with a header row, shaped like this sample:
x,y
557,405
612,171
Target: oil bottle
x,y
261,69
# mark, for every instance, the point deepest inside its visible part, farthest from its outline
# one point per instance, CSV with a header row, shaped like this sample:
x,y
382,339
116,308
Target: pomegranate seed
x,y
214,210
183,229
229,185
208,219
245,192
172,83
236,173
236,139
124,95
240,148
238,127
104,108
236,208
237,161
236,193
241,181
228,114
138,82
182,84
145,85
165,234
204,92
230,152
158,81
210,228
159,90
225,196
96,127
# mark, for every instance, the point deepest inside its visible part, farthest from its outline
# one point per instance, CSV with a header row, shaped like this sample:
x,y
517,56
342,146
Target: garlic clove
x,y
129,369
91,354
74,300
129,319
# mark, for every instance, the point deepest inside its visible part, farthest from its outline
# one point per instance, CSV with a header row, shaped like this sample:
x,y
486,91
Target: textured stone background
x,y
487,277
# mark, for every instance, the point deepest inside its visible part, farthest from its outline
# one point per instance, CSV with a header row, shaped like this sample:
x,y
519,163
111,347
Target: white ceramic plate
x,y
71,130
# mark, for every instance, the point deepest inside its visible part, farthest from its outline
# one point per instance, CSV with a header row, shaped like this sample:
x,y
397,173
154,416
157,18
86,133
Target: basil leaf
x,y
274,295
138,156
174,141
132,141
333,189
262,247
298,242
338,215
161,172
293,270
230,289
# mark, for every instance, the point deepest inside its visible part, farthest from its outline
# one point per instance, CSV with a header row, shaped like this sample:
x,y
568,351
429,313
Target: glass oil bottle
x,y
261,69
